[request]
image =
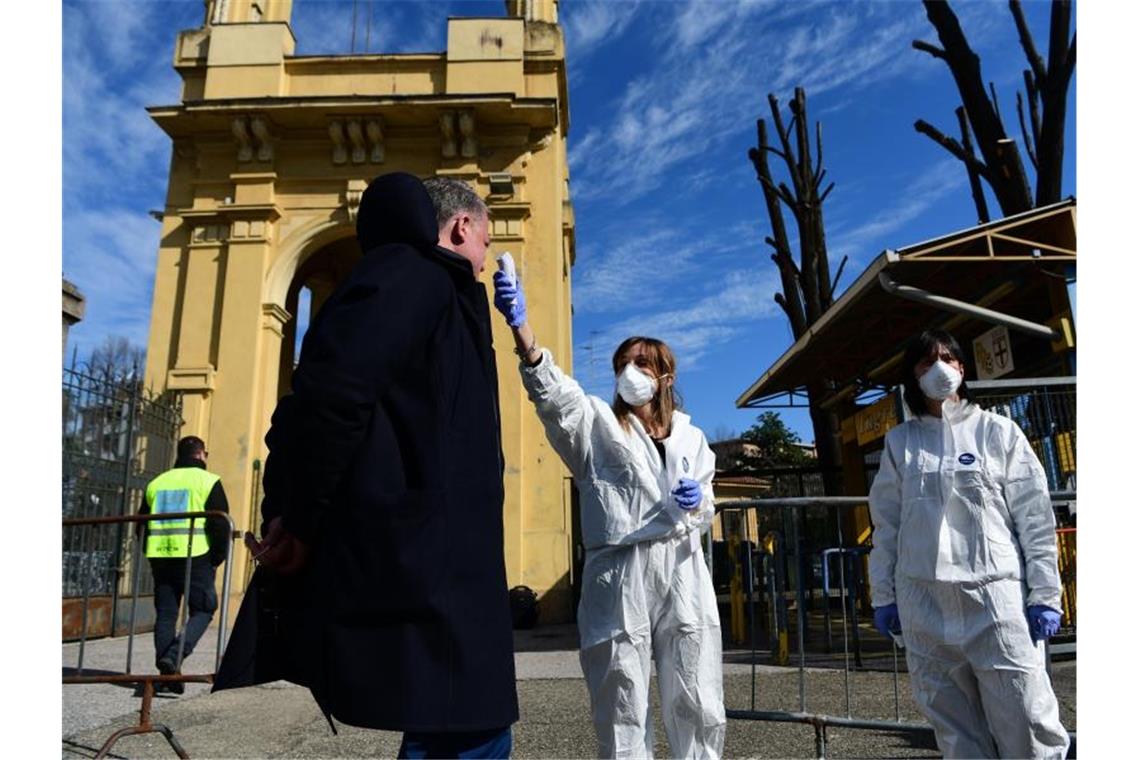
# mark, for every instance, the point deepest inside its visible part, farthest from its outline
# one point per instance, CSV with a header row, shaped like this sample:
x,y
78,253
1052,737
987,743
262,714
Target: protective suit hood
x,y
396,209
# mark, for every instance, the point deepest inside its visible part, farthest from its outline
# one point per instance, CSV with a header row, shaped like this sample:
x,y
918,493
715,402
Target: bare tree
x,y
1046,87
807,287
116,359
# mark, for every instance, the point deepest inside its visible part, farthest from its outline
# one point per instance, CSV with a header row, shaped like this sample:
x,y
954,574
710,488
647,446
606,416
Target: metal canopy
x,y
1006,266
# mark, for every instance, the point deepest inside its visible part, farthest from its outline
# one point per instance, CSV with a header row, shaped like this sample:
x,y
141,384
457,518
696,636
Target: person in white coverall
x,y
644,474
965,564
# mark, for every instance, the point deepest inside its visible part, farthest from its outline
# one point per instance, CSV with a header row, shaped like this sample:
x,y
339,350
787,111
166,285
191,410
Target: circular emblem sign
x,y
967,459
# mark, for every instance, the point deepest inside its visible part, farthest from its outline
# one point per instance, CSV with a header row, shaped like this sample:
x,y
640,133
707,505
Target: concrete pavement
x,y
280,720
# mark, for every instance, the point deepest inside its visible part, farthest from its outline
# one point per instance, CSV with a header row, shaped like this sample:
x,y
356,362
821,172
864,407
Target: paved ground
x,y
281,720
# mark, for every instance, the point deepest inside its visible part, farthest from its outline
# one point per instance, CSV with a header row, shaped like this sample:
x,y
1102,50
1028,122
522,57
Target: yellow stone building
x,y
271,152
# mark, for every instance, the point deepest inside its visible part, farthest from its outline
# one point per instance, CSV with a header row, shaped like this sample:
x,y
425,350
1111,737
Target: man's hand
x,y
279,550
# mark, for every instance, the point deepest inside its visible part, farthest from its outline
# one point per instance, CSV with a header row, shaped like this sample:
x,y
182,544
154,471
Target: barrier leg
x,y
144,727
820,739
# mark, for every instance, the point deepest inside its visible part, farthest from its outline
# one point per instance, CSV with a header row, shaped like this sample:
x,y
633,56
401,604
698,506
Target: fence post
x,y
124,507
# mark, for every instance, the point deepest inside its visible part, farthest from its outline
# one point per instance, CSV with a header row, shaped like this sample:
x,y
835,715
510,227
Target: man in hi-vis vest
x,y
186,487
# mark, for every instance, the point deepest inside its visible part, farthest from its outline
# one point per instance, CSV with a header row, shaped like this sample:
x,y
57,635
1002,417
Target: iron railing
x,y
117,436
764,594
1046,411
74,673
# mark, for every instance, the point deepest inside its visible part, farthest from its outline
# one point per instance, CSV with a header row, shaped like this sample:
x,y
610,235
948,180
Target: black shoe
x,y
166,668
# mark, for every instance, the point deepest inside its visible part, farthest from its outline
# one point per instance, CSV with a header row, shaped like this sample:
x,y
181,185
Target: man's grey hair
x,y
451,197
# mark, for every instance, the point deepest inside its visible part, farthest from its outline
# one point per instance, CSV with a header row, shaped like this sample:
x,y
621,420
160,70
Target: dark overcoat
x,y
401,619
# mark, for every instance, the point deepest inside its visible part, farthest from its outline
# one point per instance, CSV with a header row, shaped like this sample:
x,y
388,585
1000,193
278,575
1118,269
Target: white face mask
x,y
635,387
940,381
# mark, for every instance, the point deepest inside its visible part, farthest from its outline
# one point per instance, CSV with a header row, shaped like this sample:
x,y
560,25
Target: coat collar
x,y
455,263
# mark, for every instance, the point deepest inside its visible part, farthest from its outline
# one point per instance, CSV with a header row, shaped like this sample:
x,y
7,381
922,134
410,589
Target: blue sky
x,y
664,97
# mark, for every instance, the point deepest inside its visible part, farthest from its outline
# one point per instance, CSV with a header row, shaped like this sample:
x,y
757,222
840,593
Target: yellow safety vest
x,y
183,489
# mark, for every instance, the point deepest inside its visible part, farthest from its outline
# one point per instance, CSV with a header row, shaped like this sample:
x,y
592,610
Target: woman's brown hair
x,y
661,362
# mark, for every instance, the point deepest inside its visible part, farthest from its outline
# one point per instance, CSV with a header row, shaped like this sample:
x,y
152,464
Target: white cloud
x,y
699,96
110,255
731,307
922,193
110,75
588,25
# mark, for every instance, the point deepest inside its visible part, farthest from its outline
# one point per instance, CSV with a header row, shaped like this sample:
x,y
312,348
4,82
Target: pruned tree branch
x,y
926,47
778,121
1035,62
971,172
826,193
838,274
819,180
1025,136
1070,61
819,170
786,197
997,110
1059,15
952,145
1002,167
1034,98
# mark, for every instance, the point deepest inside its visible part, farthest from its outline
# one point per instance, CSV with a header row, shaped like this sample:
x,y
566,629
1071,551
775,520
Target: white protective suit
x,y
964,542
645,587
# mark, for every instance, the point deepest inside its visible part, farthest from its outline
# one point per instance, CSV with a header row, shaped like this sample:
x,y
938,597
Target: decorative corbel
x,y
245,146
447,132
375,130
260,128
356,136
336,134
470,148
352,195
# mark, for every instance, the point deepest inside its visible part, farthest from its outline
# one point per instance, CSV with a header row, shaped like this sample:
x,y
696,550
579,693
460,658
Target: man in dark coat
x,y
391,535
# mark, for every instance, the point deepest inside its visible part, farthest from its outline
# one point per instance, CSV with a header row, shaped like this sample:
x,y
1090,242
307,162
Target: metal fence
x,y
774,610
116,437
1045,409
81,531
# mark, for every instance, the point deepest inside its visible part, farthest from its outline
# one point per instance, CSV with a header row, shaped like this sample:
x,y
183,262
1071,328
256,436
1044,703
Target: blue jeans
x,y
495,743
169,577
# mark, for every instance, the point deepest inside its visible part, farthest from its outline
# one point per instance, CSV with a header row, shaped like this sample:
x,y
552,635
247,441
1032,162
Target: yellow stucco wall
x,y
270,155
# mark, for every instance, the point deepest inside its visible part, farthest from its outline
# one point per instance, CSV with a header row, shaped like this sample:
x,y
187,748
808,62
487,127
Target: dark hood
x,y
396,209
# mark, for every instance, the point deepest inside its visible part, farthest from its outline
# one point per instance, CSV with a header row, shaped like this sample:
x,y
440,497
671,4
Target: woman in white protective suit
x,y
965,564
644,476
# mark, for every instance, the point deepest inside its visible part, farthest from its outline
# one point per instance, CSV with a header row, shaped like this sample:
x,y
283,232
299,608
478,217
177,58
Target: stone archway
x,y
318,273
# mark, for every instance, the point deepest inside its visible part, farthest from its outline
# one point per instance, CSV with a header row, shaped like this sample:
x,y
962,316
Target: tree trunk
x,y
1001,164
807,290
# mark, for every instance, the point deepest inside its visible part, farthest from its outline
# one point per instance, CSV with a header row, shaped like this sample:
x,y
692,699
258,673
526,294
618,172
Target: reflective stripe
x,y
182,489
174,531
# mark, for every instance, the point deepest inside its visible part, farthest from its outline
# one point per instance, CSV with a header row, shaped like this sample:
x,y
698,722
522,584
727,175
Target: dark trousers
x,y
169,579
495,743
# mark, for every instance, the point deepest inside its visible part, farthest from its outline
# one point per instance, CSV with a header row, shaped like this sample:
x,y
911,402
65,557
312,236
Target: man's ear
x,y
454,235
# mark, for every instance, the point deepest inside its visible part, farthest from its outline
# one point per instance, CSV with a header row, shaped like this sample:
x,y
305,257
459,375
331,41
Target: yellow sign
x,y
873,422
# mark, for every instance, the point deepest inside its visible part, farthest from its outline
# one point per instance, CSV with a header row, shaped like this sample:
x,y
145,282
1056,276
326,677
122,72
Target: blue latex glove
x,y
1044,622
509,298
887,620
688,493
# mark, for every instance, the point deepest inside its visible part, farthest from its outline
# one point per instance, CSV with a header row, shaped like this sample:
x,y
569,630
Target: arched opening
x,y
314,281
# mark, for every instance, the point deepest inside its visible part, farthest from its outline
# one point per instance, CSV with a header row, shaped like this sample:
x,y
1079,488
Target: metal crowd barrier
x,y
772,584
148,680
